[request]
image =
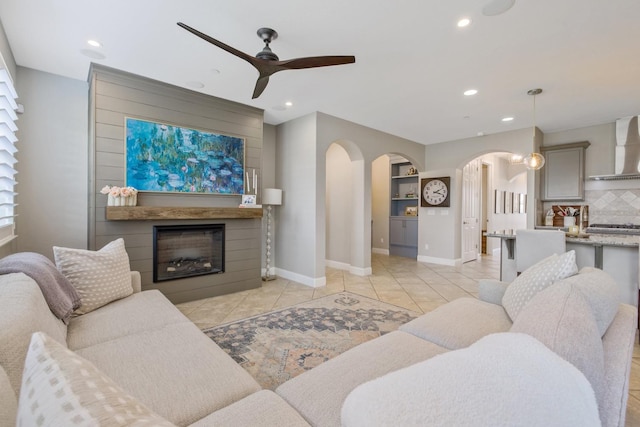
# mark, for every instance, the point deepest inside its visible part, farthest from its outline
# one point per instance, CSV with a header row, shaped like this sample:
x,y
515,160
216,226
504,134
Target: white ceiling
x,y
412,62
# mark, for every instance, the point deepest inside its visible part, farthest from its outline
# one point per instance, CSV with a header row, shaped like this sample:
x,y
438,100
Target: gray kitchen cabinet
x,y
403,220
563,171
403,236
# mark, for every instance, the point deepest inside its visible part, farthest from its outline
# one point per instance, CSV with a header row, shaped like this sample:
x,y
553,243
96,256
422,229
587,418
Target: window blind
x,y
8,140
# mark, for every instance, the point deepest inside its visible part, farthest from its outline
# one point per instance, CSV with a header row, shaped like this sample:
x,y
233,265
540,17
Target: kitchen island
x,y
616,254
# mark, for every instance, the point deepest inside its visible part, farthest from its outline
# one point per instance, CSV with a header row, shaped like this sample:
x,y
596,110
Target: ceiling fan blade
x,y
315,61
250,59
261,84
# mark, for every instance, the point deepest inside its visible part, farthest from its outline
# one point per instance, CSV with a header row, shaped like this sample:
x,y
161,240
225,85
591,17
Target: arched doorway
x,y
347,209
493,193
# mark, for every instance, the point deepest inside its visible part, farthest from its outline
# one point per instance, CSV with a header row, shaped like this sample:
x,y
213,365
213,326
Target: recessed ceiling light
x,y
215,71
288,104
94,43
507,119
470,92
464,22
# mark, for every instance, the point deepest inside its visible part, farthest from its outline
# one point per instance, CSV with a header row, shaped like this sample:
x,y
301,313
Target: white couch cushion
x,y
318,394
23,312
99,276
177,371
536,278
459,323
264,408
8,401
504,379
601,292
140,312
59,388
561,319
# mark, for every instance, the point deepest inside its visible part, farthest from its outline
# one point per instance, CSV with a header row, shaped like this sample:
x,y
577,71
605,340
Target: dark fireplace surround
x,y
181,251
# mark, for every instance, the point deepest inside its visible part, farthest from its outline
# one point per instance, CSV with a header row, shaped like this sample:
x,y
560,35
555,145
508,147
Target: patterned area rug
x,y
277,346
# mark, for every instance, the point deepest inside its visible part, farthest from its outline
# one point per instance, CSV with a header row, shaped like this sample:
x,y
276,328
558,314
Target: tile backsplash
x,y
613,206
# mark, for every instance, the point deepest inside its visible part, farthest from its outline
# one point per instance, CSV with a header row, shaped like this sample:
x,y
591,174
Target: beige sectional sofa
x,y
142,342
565,357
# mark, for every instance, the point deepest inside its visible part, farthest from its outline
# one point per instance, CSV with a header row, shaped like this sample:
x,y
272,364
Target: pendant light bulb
x,y
534,161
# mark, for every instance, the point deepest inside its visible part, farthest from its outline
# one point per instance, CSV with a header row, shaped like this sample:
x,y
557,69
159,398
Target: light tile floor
x,y
401,281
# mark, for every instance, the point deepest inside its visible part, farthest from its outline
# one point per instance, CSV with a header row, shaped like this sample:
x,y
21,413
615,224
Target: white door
x,y
470,210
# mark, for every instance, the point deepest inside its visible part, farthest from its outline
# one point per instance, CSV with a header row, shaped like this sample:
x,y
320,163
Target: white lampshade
x,y
271,196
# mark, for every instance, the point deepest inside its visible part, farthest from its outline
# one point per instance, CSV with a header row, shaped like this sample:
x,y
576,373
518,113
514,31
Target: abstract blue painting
x,y
168,158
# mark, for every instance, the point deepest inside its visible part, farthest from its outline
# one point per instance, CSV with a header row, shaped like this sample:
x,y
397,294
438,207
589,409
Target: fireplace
x,y
181,251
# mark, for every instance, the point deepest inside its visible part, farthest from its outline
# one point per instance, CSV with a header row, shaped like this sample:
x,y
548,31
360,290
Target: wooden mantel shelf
x,y
142,213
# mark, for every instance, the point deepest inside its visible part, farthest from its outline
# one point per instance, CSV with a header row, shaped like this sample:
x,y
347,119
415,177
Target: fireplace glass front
x,y
181,251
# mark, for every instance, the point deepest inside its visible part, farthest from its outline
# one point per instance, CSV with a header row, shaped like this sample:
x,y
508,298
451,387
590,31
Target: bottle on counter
x,y
548,219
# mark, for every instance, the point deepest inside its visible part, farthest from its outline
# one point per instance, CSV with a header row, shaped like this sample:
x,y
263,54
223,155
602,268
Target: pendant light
x,y
534,161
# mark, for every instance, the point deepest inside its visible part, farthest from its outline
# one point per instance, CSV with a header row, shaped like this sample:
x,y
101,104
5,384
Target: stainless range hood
x,y
627,160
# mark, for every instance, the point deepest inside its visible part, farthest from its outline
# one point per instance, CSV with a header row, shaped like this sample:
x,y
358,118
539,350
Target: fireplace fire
x,y
181,251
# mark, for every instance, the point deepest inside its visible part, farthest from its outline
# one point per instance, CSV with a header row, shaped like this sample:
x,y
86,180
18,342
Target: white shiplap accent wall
x,y
115,95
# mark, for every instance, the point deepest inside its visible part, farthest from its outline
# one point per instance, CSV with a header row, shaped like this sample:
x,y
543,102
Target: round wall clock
x,y
436,192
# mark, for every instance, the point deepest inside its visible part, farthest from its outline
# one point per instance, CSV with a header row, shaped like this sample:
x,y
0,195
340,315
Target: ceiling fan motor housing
x,y
267,35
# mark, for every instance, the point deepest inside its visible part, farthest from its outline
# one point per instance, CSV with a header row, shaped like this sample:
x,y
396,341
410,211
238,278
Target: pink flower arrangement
x,y
120,196
116,191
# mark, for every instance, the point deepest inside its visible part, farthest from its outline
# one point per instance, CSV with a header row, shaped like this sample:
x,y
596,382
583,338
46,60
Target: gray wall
x,y
440,228
380,204
302,169
7,55
116,95
339,197
52,162
295,243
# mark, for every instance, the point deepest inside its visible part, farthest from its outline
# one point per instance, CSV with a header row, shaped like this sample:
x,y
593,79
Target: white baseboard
x,y
440,261
359,271
356,271
380,251
305,280
337,265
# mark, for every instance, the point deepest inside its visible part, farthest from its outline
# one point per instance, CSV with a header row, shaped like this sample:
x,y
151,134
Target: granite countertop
x,y
583,239
606,240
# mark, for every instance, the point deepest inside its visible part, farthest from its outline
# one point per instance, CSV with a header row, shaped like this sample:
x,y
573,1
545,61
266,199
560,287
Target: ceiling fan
x,y
267,62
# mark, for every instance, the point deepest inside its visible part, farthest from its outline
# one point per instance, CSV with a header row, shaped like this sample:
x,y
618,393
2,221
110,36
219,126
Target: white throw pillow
x,y
504,379
601,292
100,277
60,388
536,278
561,318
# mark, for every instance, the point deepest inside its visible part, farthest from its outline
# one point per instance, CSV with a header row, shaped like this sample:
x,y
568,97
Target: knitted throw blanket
x,y
60,295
